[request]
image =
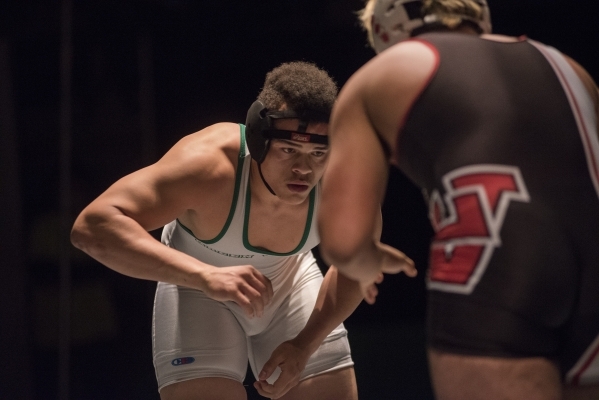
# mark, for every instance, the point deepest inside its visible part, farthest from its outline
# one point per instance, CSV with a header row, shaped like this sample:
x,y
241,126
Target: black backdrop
x,y
145,73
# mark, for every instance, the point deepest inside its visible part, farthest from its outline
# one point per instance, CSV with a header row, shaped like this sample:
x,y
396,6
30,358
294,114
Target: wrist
x,y
306,345
363,270
199,276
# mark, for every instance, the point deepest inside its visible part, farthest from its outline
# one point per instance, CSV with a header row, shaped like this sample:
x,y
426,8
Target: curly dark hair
x,y
301,85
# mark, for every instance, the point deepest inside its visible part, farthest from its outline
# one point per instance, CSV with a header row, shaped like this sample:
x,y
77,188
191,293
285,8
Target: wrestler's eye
x,y
288,150
319,153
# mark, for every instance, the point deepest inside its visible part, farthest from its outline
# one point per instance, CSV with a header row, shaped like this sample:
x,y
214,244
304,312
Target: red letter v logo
x,y
467,230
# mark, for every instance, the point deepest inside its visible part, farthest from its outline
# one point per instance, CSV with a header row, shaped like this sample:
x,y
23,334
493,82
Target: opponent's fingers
x,y
395,261
373,291
370,292
370,299
397,266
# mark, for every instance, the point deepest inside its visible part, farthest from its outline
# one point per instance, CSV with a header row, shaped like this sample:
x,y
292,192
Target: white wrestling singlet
x,y
196,337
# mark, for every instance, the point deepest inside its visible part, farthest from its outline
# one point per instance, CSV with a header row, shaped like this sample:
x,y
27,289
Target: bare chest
x,y
279,232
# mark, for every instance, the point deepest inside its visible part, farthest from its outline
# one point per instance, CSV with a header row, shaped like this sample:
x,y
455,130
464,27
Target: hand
x,y
244,285
291,359
393,262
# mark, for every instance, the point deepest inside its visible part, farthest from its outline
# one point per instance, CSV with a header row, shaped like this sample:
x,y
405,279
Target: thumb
x,y
270,366
394,261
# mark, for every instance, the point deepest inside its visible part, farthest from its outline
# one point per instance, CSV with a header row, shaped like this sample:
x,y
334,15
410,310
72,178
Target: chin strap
x,y
264,180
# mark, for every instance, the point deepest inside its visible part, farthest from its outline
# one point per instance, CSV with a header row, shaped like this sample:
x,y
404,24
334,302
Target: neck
x,y
465,28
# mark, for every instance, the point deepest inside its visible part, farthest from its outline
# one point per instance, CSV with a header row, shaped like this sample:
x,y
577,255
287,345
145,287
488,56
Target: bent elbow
x,y
85,234
77,237
80,236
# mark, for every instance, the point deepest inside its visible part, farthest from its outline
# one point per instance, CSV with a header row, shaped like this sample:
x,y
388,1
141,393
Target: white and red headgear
x,y
396,20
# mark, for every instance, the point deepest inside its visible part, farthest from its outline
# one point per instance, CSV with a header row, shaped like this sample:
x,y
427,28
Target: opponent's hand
x,y
291,360
244,285
393,262
370,290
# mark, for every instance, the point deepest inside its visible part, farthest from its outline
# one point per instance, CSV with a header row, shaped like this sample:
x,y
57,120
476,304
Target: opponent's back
x,y
504,142
496,103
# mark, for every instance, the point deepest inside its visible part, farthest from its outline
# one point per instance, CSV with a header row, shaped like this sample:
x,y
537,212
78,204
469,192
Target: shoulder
x,y
386,87
394,73
203,161
404,65
205,151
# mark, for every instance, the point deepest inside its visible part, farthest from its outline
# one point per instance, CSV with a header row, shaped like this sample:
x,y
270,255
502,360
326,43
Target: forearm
x,y
337,299
121,244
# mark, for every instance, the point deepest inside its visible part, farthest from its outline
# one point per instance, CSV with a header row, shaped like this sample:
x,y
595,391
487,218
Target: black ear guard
x,y
259,128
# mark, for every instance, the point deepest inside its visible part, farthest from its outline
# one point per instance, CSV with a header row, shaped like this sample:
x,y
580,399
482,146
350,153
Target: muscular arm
x,y
113,229
370,109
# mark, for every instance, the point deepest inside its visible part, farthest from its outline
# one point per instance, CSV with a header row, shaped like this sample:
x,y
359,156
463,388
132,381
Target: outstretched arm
x,y
366,120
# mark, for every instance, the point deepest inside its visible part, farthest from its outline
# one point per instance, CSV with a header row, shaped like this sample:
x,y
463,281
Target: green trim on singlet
x,y
238,172
261,250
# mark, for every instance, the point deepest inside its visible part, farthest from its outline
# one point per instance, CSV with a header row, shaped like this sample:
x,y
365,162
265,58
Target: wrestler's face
x,y
293,168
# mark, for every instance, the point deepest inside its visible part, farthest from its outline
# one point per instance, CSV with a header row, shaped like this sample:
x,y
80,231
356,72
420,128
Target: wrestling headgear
x,y
259,130
397,20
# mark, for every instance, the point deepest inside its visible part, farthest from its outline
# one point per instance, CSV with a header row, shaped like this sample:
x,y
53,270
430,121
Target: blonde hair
x,y
365,18
450,13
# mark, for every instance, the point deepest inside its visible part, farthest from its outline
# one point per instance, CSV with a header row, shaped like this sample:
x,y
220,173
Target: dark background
x,y
144,74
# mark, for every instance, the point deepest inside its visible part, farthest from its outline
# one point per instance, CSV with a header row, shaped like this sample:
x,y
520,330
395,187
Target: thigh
x,y
291,317
457,377
204,389
195,337
580,356
332,385
537,296
590,392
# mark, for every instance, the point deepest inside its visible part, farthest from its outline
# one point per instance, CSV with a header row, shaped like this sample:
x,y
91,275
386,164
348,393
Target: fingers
x,y
263,285
259,291
395,266
278,386
250,300
370,292
245,304
270,366
394,261
254,293
281,372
